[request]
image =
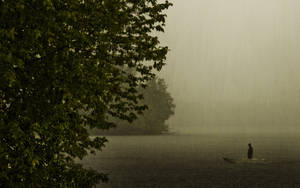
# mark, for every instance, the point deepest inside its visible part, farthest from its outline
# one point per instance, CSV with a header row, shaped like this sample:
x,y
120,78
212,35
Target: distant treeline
x,y
153,120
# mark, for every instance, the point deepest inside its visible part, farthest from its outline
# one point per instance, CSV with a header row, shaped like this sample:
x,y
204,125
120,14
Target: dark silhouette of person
x,y
250,151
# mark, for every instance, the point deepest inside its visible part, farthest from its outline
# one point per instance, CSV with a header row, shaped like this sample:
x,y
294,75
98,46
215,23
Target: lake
x,y
196,161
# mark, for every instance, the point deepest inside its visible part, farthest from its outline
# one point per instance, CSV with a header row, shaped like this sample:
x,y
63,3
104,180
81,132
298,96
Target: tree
x,y
62,71
160,106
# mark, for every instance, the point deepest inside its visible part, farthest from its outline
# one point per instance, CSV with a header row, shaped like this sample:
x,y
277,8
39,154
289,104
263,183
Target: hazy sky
x,y
234,64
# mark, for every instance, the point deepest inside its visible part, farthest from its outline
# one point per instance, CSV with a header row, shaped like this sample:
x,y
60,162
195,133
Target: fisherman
x,y
250,151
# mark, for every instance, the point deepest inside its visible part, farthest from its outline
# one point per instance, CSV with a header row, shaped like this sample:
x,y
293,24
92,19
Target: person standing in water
x,y
250,151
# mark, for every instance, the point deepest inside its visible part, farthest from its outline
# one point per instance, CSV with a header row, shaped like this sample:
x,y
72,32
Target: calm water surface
x,y
196,161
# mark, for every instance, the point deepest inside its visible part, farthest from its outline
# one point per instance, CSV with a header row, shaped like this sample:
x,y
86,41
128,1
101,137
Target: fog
x,y
234,65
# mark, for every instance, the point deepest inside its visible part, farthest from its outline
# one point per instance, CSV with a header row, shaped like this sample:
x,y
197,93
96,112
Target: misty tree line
x,y
160,106
61,58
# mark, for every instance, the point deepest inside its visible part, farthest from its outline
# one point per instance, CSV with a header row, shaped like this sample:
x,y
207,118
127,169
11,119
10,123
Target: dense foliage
x,y
62,68
160,108
153,120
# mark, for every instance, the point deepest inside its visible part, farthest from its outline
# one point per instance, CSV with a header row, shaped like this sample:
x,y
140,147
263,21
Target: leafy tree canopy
x,y
62,68
153,120
161,107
